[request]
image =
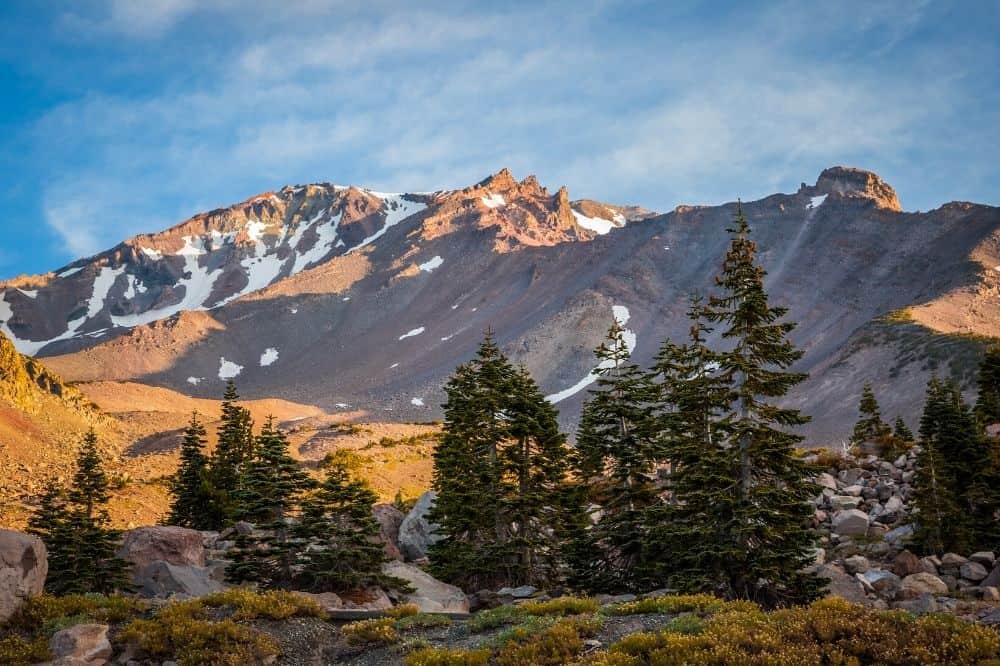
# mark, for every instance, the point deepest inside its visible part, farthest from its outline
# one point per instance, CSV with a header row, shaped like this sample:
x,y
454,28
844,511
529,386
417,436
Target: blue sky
x,y
120,116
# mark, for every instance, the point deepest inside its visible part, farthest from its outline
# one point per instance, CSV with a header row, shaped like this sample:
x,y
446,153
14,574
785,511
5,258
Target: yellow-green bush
x,y
493,618
18,651
701,604
380,630
560,606
446,657
553,646
272,605
831,632
404,610
46,609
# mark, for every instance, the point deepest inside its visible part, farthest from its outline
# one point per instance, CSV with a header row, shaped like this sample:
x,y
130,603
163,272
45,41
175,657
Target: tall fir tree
x,y
870,426
190,485
901,431
344,553
690,538
988,402
500,444
617,440
267,496
771,485
75,526
233,451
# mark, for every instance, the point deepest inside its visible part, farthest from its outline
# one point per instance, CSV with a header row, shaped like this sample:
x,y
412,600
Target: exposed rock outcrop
x,y
23,567
416,533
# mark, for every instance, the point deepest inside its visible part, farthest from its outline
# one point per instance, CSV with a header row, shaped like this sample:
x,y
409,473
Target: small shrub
x,y
560,606
349,459
404,610
556,645
702,604
271,605
446,657
48,609
18,651
422,621
377,631
494,618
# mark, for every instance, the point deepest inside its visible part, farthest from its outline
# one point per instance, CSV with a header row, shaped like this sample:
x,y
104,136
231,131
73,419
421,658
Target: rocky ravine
x,y
362,301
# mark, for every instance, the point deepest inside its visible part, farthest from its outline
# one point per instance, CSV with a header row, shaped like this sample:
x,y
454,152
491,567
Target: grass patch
x,y
447,657
700,604
422,621
494,618
270,605
377,631
560,606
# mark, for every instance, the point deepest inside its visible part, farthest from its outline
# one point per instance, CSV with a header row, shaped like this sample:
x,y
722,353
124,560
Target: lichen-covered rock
x,y
81,645
23,567
430,594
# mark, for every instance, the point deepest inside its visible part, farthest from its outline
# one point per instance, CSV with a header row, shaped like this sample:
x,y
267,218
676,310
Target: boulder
x,y
953,560
993,579
989,593
161,579
906,563
842,585
917,584
23,567
370,599
973,571
328,601
826,480
856,564
167,543
389,519
850,522
894,504
430,594
929,565
899,534
81,644
880,581
921,605
522,592
841,502
984,557
416,533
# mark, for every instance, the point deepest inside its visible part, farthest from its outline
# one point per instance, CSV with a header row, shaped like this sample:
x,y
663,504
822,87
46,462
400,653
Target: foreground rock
x,y
160,579
430,594
81,645
23,567
416,533
170,544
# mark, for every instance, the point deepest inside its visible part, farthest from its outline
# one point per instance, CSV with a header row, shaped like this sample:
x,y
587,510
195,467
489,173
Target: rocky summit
x,y
360,301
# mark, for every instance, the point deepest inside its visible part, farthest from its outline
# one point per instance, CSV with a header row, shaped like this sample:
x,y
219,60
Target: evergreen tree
x,y
771,485
267,496
500,445
988,403
617,438
344,553
74,524
870,426
690,538
901,431
233,451
190,485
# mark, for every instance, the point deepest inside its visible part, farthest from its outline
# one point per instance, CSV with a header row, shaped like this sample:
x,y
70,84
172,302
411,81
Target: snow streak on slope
x,y
431,264
397,209
599,225
622,315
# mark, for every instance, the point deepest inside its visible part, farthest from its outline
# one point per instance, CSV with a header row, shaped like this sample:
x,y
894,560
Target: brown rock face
x,y
170,544
858,183
23,567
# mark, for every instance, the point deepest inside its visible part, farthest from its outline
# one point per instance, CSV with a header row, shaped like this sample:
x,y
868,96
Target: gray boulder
x,y
973,571
842,585
850,522
914,585
23,567
984,557
161,579
416,533
880,581
167,543
82,644
430,594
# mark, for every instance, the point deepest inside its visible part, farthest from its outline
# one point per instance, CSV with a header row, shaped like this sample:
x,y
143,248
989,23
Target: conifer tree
x,y
344,553
771,485
233,451
870,426
988,402
617,438
500,443
268,496
190,485
74,524
901,431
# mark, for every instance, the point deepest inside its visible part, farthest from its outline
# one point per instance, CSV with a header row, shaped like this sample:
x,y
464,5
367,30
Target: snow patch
x,y
70,271
30,293
394,365
102,285
228,369
397,209
621,315
816,202
431,264
269,356
155,255
411,333
493,200
416,402
598,225
194,381
346,298
342,405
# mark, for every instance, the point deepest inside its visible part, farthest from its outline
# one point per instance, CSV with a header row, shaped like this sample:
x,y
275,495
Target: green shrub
x,y
18,651
560,606
404,610
271,605
422,621
701,604
446,657
377,631
494,618
47,609
556,645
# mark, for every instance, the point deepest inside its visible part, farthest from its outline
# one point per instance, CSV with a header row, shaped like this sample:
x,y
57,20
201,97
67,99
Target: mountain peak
x,y
501,181
857,183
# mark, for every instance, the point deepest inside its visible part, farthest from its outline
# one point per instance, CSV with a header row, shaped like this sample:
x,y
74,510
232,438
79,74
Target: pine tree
x,y
344,553
690,541
74,524
234,450
870,426
771,486
267,496
500,444
901,431
988,402
617,438
190,485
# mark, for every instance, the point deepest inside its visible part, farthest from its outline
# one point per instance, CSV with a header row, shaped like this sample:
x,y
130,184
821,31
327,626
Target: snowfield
x,y
269,356
621,315
412,332
228,369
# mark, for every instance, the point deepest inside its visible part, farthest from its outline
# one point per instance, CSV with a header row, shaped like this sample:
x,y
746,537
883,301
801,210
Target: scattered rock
x,y
906,563
984,557
389,519
161,579
23,567
850,522
82,644
328,601
973,571
842,585
370,599
522,592
856,564
170,544
880,581
916,584
415,532
430,594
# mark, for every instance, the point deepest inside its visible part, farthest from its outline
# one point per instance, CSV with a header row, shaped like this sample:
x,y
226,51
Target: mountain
x,y
363,302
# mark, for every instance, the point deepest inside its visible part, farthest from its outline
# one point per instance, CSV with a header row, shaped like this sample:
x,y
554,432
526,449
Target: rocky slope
x,y
362,302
